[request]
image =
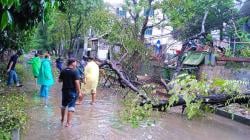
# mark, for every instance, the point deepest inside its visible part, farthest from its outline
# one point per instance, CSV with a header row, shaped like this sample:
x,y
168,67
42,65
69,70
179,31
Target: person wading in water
x,y
70,90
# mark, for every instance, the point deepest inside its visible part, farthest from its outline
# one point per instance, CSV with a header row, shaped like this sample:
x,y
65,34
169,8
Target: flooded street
x,y
101,122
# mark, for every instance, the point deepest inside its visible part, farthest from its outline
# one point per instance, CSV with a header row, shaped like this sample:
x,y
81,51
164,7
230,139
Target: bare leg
x,y
46,94
62,114
69,117
79,100
46,101
36,83
93,98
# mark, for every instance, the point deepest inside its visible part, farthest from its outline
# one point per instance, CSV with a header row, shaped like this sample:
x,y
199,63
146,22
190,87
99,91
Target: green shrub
x,y
133,113
23,73
4,135
12,113
3,74
245,52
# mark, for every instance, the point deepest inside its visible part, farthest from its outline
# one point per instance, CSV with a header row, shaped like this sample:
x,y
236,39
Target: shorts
x,y
86,89
69,100
90,86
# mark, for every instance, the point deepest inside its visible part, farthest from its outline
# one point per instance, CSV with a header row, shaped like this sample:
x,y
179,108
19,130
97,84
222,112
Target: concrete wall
x,y
212,72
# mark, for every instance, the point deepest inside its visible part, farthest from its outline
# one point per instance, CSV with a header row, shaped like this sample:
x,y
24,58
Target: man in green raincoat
x,y
45,78
36,64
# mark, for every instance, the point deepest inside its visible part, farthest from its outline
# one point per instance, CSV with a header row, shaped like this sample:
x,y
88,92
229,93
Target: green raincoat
x,y
45,74
36,64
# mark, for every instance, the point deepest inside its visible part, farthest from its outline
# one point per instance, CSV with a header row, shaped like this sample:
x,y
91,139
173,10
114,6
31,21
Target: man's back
x,y
13,59
92,71
68,77
36,64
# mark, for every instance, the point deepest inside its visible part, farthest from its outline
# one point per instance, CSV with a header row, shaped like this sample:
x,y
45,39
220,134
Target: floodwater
x,y
101,122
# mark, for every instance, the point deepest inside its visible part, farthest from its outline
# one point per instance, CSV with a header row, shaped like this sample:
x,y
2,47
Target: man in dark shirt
x,y
12,75
70,89
59,63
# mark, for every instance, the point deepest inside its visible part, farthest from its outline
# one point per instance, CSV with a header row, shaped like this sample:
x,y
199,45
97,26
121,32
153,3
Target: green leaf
x,y
10,20
10,3
17,3
6,19
4,3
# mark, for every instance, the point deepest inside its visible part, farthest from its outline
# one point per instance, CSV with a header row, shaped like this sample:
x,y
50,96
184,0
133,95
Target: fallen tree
x,y
226,95
208,100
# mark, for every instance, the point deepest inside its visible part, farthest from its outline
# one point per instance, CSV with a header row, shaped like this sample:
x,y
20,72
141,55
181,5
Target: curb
x,y
233,116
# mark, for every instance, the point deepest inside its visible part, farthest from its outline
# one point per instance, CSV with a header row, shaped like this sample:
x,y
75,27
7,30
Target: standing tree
x,y
41,36
140,14
76,13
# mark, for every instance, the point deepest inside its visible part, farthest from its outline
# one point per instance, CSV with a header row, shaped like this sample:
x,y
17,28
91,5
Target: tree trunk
x,y
211,99
145,22
221,34
77,47
142,35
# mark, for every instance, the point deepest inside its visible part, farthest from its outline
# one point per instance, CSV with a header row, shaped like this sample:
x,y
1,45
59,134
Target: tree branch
x,y
235,29
158,23
131,14
134,17
203,22
124,55
145,22
122,78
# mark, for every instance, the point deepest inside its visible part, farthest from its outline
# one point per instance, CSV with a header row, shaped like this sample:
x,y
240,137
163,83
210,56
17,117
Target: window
x,y
149,13
149,31
120,12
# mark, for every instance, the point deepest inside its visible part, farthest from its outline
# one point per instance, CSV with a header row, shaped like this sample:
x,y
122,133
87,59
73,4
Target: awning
x,y
194,58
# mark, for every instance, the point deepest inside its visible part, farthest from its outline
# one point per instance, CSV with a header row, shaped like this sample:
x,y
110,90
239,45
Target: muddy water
x,y
100,122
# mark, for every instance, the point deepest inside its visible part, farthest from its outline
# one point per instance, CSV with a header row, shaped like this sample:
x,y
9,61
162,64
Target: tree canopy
x,y
186,16
19,17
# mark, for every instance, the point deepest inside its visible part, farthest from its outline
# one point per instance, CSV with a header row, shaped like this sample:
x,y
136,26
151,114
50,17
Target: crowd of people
x,y
76,80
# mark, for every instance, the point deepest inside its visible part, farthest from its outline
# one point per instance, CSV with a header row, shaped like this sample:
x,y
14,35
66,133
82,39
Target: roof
x,y
194,58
